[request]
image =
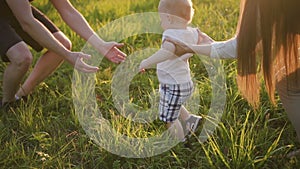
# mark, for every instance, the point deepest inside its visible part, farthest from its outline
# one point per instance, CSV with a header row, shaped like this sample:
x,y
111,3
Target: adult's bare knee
x,y
67,43
20,56
63,40
25,60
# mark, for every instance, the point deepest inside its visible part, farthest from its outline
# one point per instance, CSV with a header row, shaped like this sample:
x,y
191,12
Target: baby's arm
x,y
164,53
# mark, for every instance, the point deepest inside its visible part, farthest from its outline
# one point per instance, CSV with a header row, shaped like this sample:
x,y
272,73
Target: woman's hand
x,y
203,38
183,48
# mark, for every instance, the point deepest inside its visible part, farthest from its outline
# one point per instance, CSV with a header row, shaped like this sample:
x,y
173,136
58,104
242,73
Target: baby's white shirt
x,y
177,70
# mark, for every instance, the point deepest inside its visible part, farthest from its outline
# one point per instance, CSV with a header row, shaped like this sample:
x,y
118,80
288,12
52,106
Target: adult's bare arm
x,y
207,46
202,47
22,11
78,23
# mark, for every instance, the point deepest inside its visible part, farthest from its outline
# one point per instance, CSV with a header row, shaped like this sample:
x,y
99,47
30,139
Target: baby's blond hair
x,y
180,8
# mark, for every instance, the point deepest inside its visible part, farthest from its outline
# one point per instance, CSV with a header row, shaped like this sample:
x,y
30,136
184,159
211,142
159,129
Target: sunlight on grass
x,y
50,131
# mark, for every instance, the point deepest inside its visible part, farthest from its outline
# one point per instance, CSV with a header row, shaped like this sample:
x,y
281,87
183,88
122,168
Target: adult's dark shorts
x,y
12,33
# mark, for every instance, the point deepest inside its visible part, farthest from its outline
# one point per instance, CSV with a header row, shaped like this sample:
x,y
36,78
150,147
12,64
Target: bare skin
x,y
58,46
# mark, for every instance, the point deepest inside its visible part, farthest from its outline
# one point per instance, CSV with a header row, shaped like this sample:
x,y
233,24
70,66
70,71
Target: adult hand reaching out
x,y
28,22
113,53
108,49
76,59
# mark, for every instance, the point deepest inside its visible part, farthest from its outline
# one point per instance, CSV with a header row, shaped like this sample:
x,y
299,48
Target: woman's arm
x,y
225,49
74,19
22,11
78,23
215,49
219,50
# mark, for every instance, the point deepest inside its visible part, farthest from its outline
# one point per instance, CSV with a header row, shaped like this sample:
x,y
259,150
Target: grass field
x,y
46,132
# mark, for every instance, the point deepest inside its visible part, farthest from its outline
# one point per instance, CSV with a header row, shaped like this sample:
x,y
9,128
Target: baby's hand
x,y
142,70
142,67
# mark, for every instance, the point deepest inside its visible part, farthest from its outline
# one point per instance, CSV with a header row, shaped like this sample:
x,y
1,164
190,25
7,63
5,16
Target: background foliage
x,y
44,132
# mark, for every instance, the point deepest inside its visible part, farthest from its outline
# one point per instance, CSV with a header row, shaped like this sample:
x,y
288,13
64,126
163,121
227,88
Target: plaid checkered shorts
x,y
172,96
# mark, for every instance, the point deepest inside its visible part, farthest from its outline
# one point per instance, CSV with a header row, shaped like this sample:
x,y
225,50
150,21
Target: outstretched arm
x,y
78,23
214,49
224,49
217,49
22,11
164,53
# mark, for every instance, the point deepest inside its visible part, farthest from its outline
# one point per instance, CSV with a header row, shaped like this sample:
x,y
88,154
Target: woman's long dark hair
x,y
273,26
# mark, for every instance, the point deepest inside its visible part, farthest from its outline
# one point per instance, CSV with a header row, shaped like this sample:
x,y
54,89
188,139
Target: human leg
x,y
292,110
49,61
172,98
290,99
175,128
169,111
20,60
46,64
190,121
184,113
